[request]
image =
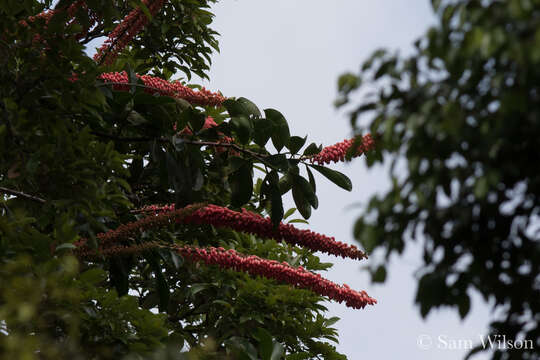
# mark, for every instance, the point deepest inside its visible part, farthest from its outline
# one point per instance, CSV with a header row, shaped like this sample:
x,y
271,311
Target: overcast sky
x,y
287,54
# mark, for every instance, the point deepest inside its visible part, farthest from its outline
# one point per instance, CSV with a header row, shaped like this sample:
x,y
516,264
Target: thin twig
x,y
127,139
21,194
258,156
93,34
234,146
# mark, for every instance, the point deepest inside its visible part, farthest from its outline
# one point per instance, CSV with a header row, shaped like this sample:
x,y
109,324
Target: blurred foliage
x,y
76,157
458,123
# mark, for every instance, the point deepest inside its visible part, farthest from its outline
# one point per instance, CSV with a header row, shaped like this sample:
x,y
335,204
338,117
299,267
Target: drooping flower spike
x,y
283,272
125,31
253,265
337,152
165,88
255,224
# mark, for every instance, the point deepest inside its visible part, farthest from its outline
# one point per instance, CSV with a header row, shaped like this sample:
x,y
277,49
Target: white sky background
x,y
287,54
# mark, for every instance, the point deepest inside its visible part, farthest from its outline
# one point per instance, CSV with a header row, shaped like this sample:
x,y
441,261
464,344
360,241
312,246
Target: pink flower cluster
x,y
128,28
283,272
166,88
336,152
252,223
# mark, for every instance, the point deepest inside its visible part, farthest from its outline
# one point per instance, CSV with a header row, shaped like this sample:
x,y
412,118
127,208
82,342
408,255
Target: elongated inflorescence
x,y
253,265
165,88
125,31
283,272
337,152
253,223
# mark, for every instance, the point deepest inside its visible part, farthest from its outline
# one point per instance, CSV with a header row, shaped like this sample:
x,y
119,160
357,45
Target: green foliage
x,y
77,157
463,110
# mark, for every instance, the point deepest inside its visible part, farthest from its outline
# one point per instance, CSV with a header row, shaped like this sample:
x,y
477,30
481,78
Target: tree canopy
x,y
458,123
141,217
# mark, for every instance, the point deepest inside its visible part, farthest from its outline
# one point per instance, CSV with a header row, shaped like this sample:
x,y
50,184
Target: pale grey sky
x,y
287,54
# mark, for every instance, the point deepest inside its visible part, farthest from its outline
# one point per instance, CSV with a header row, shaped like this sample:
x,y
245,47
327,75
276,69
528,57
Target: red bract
x,y
337,152
124,32
282,272
165,88
252,223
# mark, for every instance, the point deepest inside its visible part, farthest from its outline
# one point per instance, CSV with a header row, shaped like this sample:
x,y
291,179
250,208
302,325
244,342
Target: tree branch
x,y
22,195
258,156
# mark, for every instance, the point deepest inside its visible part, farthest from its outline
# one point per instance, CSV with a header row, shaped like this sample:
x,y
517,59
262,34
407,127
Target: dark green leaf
x,y
334,176
162,287
312,149
311,179
241,107
265,343
300,200
243,128
241,182
262,131
379,276
296,143
307,190
280,129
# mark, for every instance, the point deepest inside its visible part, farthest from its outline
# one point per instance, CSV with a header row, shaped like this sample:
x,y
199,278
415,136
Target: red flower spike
x,y
256,224
253,265
282,272
165,88
125,31
336,152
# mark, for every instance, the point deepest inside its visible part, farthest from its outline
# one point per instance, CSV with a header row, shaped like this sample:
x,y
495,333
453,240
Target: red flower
x,y
336,152
253,223
209,123
253,265
282,272
124,32
166,88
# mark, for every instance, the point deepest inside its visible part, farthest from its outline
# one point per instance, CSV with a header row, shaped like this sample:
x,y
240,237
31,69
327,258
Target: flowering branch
x,y
22,195
126,30
152,84
337,152
253,265
253,223
283,272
